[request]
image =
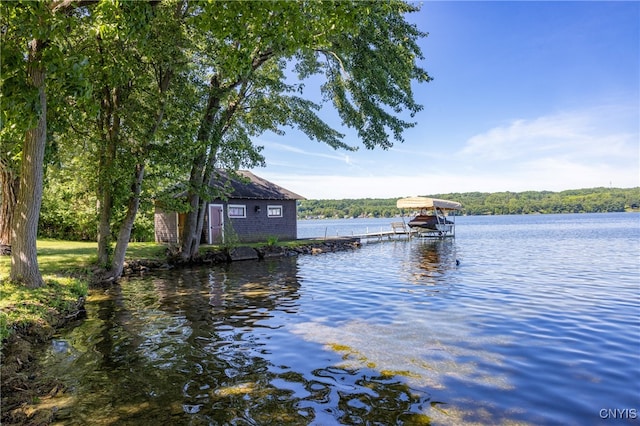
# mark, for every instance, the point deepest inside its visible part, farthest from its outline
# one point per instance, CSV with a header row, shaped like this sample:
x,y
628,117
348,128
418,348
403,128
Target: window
x,y
237,210
274,211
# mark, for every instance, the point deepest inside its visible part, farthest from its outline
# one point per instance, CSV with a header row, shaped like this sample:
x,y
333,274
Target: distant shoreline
x,y
593,200
488,214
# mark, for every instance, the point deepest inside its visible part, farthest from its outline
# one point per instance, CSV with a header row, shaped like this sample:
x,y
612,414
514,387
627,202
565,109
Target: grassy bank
x,y
65,266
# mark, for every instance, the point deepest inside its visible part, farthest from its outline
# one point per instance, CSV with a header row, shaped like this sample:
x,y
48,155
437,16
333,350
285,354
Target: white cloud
x,y
305,152
338,187
519,137
560,173
584,135
571,150
310,157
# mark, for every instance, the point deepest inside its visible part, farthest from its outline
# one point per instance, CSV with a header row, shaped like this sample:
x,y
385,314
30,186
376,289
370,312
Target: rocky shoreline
x,y
242,253
28,396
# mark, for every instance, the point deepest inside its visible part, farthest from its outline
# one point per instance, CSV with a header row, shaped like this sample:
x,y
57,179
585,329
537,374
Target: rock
x,y
243,253
270,252
220,256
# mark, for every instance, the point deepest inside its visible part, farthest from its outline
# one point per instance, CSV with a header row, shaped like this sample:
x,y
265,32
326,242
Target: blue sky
x,y
525,96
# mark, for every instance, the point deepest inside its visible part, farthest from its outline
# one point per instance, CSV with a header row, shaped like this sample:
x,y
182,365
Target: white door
x,y
216,223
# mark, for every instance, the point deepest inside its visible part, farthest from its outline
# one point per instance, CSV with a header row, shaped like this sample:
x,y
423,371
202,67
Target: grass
x,y
146,251
64,265
23,308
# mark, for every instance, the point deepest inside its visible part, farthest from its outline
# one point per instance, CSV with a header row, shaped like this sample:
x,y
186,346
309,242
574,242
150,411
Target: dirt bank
x,y
24,391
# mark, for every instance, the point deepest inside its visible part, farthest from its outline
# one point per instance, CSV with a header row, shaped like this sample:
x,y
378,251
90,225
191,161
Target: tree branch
x,y
57,5
335,55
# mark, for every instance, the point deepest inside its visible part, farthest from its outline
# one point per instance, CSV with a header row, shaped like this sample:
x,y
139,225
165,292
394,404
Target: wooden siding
x,y
257,225
166,226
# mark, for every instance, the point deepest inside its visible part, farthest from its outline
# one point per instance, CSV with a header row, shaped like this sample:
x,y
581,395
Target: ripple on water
x,y
538,324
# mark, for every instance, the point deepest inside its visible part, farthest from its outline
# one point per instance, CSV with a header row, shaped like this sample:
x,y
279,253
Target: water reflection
x,y
436,256
431,262
210,347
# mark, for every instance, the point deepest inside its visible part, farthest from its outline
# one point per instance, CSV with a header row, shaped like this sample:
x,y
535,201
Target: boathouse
x,y
251,208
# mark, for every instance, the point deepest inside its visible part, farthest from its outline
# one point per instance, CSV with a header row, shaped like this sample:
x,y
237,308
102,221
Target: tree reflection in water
x,y
211,346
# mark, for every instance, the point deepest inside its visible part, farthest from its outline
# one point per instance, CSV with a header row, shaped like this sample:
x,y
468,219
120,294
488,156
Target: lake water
x,y
539,324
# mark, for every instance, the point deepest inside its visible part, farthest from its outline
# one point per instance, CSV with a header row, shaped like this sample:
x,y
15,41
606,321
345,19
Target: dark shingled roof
x,y
256,188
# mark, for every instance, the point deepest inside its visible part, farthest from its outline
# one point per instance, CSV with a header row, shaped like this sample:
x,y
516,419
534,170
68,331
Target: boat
x,y
433,217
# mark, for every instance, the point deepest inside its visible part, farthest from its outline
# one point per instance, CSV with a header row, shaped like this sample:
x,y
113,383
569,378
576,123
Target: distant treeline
x,y
592,200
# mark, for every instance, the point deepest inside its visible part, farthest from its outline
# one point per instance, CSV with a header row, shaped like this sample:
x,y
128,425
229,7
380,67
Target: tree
x,y
24,226
366,52
24,222
177,83
31,38
17,109
133,52
136,52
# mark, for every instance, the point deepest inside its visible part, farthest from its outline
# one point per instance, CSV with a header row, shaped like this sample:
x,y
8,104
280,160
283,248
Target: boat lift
x,y
435,218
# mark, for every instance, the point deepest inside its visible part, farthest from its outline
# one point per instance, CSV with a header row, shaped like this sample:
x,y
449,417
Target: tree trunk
x,y
190,239
110,130
213,126
105,204
9,189
208,174
24,229
124,235
202,208
201,173
190,229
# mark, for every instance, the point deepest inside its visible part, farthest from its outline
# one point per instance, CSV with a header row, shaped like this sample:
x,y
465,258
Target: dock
x,y
398,231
